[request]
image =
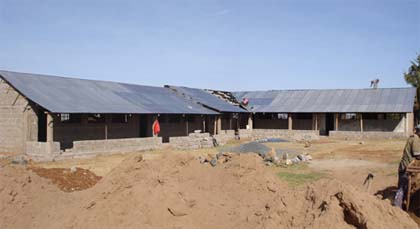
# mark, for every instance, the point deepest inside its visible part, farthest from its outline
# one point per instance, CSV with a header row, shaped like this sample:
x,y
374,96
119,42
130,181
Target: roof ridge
x,y
74,78
330,89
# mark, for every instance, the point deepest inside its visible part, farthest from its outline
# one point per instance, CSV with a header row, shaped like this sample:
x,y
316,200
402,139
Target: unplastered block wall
x,y
42,151
245,133
45,151
192,141
224,136
18,120
110,146
357,135
274,133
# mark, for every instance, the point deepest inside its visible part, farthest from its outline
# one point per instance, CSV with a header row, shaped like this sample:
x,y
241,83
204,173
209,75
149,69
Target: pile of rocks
x,y
219,158
270,156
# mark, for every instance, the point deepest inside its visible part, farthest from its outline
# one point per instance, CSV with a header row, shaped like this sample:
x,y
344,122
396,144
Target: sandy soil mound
x,y
26,197
176,191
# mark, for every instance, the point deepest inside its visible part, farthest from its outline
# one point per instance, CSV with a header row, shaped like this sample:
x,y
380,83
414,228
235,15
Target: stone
x,y
138,158
73,169
19,160
201,159
213,162
177,212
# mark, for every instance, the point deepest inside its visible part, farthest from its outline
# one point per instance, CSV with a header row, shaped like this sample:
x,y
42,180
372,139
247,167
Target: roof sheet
x,y
381,100
207,99
70,95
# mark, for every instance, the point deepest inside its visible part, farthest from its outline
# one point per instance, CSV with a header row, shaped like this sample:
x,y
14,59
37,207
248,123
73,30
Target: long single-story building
x,y
375,110
67,117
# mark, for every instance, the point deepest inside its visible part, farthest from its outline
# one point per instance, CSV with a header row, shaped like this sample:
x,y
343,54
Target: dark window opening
x,y
120,118
303,116
226,116
70,118
96,118
371,116
264,116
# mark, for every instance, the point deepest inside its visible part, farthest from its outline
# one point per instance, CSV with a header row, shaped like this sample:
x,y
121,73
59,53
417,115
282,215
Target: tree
x,y
413,77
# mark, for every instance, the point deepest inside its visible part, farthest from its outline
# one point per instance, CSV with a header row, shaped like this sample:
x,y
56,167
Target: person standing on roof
x,y
411,152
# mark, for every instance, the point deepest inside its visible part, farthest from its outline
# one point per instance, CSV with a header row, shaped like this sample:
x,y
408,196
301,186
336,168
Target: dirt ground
x,y
172,189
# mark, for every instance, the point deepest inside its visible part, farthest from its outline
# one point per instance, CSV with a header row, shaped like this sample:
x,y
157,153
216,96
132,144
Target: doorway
x,y
42,126
329,123
143,126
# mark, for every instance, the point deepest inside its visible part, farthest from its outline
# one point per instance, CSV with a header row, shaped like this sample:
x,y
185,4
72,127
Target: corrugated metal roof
x,y
381,100
207,99
70,95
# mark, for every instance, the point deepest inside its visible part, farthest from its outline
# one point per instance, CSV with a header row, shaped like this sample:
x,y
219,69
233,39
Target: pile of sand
x,y
176,191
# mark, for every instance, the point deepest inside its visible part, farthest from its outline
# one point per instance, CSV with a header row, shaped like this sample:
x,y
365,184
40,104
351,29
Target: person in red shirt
x,y
156,127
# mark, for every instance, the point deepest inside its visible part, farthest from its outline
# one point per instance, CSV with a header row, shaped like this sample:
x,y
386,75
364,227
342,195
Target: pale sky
x,y
227,45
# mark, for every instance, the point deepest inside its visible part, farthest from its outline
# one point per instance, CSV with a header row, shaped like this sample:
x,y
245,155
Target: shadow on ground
x,y
389,193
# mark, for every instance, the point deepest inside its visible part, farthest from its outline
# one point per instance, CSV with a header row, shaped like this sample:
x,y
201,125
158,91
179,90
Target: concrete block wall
x,y
224,136
192,141
111,146
298,135
18,120
357,135
42,151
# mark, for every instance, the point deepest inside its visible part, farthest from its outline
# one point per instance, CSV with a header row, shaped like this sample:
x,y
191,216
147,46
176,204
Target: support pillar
x,y
219,124
215,125
204,123
230,121
409,117
186,124
50,127
361,122
290,121
315,117
250,122
108,120
337,116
